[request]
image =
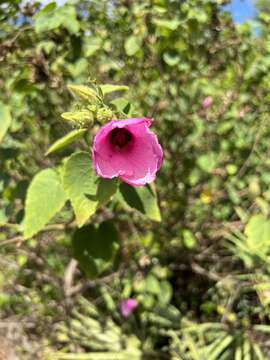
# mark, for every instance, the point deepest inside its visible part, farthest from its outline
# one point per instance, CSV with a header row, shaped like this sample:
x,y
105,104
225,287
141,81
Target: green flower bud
x,y
104,115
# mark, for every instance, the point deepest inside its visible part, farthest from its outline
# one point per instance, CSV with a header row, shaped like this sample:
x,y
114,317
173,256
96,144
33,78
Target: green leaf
x,y
106,189
152,284
167,24
5,120
83,91
258,351
85,190
92,45
52,17
69,12
45,18
123,105
224,343
142,198
165,293
257,231
3,217
189,239
171,59
45,197
207,162
80,184
95,248
66,140
46,10
132,45
109,88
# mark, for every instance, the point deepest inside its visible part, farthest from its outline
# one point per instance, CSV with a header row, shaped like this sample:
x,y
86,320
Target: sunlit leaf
x,y
83,91
5,120
85,190
66,140
257,231
132,45
109,88
45,197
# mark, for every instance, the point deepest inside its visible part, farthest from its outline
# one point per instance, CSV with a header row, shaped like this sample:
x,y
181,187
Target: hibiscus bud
x,y
104,114
128,306
129,150
81,118
83,91
207,102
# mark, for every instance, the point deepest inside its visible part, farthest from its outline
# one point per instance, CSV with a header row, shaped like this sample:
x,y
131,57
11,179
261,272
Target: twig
x,y
16,239
69,277
19,239
201,271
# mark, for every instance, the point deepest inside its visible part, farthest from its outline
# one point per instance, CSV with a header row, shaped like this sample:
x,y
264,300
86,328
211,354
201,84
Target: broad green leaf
x,y
46,10
165,293
123,105
83,91
5,120
45,19
45,197
132,45
108,88
80,183
69,12
92,45
85,190
66,140
257,231
142,198
152,284
52,17
95,248
106,189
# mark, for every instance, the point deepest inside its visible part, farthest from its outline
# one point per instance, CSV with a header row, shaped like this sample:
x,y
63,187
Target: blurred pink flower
x,y
128,149
208,101
128,306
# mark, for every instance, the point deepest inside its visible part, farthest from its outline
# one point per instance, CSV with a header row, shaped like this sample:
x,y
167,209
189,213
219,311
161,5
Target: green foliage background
x,y
199,266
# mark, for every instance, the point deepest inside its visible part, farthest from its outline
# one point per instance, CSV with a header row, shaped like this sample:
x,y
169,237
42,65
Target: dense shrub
x,y
190,252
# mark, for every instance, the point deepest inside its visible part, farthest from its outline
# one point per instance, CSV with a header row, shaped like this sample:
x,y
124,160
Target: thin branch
x,y
19,238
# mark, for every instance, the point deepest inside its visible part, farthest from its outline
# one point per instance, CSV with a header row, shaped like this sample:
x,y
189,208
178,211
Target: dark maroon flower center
x,y
120,137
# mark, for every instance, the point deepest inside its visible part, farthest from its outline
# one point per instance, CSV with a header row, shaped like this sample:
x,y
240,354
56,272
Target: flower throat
x,y
120,137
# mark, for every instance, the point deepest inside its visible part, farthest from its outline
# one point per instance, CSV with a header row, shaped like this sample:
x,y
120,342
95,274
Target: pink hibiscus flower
x,y
127,306
207,102
128,149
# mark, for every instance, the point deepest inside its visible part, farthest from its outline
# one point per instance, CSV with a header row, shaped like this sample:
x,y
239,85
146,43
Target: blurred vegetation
x,y
201,274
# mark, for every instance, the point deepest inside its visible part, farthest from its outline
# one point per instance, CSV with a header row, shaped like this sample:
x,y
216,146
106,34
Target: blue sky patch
x,y
242,10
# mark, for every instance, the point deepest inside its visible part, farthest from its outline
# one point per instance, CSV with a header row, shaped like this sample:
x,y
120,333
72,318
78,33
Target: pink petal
x,y
207,102
128,306
136,163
